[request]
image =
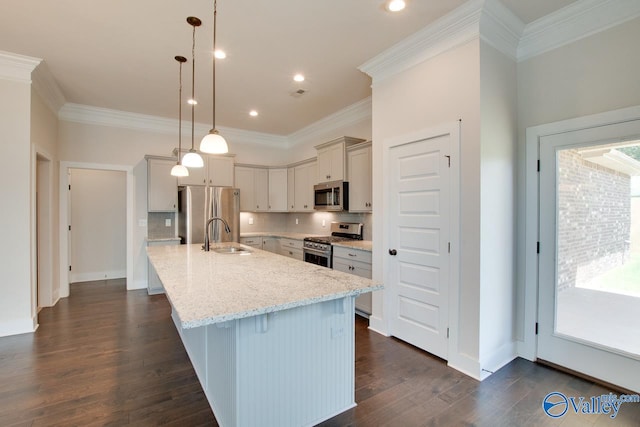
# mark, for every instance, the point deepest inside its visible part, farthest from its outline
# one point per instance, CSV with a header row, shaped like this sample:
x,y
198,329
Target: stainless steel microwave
x,y
331,196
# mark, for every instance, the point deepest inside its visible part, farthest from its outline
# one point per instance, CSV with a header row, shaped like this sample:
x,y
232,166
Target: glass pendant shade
x,y
192,160
214,143
179,170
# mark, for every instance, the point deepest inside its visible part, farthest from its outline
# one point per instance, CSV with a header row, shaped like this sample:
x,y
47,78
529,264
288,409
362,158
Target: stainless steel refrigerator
x,y
197,204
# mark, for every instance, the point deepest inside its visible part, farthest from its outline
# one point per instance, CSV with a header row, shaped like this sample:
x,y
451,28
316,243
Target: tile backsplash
x,y
308,223
157,225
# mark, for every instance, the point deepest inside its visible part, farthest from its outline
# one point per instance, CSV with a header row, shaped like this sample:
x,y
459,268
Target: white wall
x,y
16,315
438,91
595,74
98,225
498,103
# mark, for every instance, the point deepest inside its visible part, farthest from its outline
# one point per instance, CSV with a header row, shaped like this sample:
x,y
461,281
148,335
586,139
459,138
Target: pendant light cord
x,y
213,83
180,116
193,85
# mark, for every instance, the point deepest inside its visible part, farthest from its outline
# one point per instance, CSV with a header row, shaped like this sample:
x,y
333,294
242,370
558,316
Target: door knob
x,y
393,252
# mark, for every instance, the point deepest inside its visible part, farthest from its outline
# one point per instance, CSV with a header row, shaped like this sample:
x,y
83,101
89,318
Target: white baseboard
x,y
18,326
376,324
499,358
137,284
97,275
465,364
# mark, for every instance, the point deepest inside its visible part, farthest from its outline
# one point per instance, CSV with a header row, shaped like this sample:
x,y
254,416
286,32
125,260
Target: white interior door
x,y
587,322
419,215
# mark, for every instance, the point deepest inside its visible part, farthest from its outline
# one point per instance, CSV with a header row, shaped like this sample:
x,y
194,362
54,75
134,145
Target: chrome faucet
x,y
206,231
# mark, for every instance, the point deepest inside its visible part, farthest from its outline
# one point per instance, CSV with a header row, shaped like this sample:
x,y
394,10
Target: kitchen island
x,y
271,338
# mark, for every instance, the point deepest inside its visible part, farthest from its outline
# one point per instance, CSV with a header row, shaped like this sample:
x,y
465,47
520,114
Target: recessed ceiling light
x,y
298,78
396,5
220,54
192,102
253,113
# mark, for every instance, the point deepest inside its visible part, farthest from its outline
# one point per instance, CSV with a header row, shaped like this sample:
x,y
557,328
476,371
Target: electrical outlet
x,y
167,222
250,220
297,221
324,223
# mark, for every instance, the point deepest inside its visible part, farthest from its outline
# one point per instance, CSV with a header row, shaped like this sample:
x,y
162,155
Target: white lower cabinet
x,y
254,242
291,248
154,286
357,262
271,244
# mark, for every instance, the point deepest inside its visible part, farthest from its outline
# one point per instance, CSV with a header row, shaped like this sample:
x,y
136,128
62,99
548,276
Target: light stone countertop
x,y
163,239
208,287
363,245
285,234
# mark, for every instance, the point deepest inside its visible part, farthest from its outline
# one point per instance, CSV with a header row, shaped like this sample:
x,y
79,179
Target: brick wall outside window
x,y
594,219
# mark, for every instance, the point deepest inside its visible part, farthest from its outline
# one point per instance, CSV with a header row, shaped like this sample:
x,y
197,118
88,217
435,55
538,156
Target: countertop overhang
x,y
209,287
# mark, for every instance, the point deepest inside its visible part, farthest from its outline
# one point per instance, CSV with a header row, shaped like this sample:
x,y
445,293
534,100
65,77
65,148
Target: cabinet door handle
x,y
353,255
393,252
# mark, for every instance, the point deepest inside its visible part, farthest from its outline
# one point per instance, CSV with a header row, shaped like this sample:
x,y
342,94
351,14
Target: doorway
x,y
66,220
587,275
97,224
44,292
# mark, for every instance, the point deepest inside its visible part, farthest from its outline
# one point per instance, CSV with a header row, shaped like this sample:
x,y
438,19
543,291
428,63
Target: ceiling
x,y
119,54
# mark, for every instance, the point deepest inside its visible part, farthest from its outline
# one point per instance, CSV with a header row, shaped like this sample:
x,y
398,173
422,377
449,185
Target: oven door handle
x,y
316,252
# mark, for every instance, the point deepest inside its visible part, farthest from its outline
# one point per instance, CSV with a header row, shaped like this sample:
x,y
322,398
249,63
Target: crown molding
x,y
122,119
454,29
574,22
500,28
17,67
353,114
46,86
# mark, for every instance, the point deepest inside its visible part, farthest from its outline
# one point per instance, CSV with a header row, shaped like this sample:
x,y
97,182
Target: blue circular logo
x,y
555,404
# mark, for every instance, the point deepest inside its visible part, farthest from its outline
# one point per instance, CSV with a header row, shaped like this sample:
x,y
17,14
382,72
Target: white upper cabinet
x,y
262,189
248,181
304,180
162,187
278,193
359,176
217,171
291,189
331,159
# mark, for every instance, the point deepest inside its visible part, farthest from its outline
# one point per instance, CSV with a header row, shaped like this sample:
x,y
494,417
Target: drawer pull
x,y
353,255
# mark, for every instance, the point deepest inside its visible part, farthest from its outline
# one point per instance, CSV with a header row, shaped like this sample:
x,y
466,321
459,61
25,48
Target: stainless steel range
x,y
318,250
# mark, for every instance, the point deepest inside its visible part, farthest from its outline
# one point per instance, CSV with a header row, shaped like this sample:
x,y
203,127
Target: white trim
x,y
466,364
122,119
574,22
353,114
500,28
17,67
97,275
46,86
18,326
64,219
528,347
454,29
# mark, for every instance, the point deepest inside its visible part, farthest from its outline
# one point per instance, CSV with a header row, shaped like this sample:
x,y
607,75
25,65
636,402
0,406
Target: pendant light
x,y
192,159
213,142
178,169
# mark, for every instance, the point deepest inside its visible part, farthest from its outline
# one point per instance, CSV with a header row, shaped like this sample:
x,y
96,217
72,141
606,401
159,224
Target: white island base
x,y
293,367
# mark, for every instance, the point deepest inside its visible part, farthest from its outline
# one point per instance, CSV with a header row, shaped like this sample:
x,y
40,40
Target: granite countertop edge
x,y
266,310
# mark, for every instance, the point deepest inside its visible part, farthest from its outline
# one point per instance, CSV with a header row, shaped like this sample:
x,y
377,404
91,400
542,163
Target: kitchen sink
x,y
231,250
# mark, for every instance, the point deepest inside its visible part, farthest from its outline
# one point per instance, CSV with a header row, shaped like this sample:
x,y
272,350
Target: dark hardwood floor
x,y
105,356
